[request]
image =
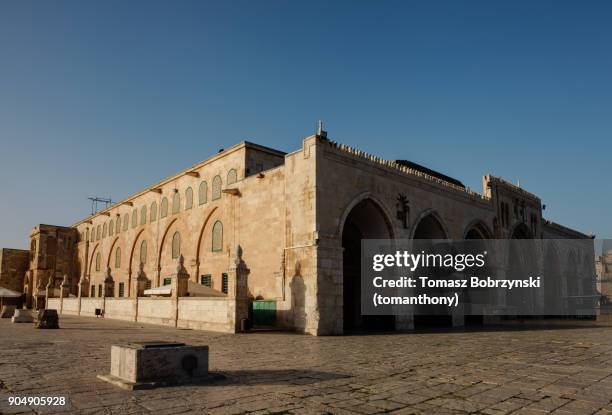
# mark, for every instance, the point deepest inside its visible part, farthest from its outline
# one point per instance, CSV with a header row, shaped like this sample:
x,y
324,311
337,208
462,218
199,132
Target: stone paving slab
x,y
555,369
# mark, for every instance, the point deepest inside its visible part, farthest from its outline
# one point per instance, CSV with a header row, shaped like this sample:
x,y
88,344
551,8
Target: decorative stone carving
x,y
403,209
65,287
180,280
109,284
140,282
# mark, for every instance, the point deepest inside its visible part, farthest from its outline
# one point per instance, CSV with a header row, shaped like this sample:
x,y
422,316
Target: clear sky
x,y
105,98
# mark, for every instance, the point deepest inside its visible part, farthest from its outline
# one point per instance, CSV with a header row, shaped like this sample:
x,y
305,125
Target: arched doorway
x,y
475,235
522,260
366,220
521,231
430,227
553,282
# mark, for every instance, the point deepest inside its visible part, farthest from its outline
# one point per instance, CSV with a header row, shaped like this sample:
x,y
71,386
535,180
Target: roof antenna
x,y
320,132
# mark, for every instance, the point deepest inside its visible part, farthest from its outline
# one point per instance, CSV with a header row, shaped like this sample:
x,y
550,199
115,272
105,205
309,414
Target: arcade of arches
x,y
294,220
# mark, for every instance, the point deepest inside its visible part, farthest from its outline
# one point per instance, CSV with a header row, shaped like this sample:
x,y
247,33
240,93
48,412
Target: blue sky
x,y
105,98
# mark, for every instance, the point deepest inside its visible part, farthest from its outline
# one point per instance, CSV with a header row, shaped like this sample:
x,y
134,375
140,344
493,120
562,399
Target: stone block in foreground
x,y
7,311
151,364
22,316
47,319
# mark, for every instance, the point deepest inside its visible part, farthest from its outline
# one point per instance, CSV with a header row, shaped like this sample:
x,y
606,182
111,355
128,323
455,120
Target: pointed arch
x,y
111,252
132,249
201,237
93,255
479,227
520,231
426,215
206,220
163,241
358,199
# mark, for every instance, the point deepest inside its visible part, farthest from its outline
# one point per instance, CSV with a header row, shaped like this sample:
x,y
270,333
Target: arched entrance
x,y
366,220
475,234
521,261
430,227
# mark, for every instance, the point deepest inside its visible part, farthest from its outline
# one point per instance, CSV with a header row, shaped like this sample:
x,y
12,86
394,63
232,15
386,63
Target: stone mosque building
x,y
254,223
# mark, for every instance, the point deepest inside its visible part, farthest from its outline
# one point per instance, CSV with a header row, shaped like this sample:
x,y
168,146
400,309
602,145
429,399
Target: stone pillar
x,y
109,284
49,291
84,286
39,298
238,279
180,280
65,287
29,290
140,283
64,292
83,290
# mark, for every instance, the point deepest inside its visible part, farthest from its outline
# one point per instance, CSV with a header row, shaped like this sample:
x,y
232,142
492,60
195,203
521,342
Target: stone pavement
x,y
558,370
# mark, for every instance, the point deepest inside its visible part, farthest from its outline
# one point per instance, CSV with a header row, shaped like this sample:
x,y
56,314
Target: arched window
x,y
126,222
164,208
203,193
188,198
232,176
98,233
176,203
153,212
176,245
98,257
111,227
104,230
217,236
118,257
216,188
143,252
118,225
93,234
134,218
143,215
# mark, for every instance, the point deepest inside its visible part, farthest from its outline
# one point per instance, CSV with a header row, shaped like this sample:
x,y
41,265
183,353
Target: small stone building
x,y
13,265
298,219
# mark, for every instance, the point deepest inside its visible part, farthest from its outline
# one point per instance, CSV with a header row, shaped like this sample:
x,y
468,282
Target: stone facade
x,y
604,274
52,257
13,265
295,218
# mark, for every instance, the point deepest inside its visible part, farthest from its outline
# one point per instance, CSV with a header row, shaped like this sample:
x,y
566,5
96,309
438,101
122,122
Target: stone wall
x,y
13,266
120,308
198,313
161,311
89,305
213,314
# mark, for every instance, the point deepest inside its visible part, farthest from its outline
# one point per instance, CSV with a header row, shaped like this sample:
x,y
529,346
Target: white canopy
x,y
5,292
163,290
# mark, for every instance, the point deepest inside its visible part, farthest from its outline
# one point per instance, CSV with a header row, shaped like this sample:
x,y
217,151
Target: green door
x,y
264,312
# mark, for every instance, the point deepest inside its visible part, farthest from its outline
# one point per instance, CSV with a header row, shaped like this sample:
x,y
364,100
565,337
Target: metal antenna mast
x,y
96,200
